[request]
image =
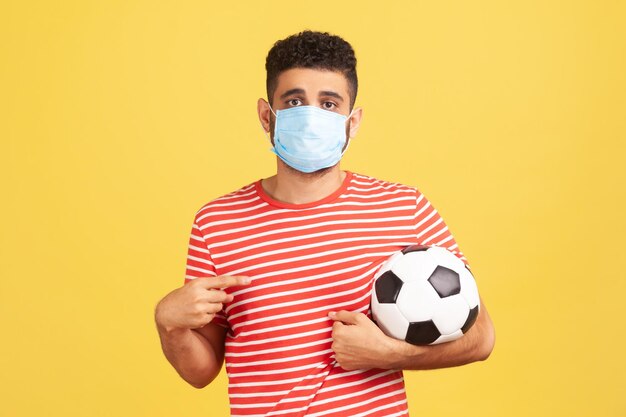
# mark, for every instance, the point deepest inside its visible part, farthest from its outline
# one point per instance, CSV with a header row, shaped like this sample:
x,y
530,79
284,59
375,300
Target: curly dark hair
x,y
311,49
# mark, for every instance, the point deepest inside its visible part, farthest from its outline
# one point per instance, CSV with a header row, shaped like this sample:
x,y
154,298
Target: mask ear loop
x,y
272,110
266,133
348,138
347,119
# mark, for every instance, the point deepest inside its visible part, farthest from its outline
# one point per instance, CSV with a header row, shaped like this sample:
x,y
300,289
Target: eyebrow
x,y
292,91
301,91
331,94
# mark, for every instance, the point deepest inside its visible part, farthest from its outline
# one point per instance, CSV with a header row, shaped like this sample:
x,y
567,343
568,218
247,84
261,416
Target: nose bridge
x,y
303,116
308,118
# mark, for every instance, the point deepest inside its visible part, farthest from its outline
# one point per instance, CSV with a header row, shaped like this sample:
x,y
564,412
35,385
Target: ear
x,y
355,121
263,109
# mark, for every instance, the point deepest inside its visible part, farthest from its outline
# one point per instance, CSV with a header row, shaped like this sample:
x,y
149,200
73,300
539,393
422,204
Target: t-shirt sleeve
x,y
200,264
432,230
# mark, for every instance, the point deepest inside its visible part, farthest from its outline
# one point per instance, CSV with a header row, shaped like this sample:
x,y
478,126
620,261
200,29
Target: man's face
x,y
325,89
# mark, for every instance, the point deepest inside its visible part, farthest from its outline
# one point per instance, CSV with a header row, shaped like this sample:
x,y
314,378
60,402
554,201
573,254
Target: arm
x,y
192,341
196,354
359,344
475,345
190,324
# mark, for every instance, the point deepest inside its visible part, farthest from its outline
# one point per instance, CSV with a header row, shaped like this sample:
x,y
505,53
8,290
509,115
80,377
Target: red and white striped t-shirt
x,y
306,260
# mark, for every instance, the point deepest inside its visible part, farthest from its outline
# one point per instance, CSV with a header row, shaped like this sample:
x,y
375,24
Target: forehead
x,y
311,80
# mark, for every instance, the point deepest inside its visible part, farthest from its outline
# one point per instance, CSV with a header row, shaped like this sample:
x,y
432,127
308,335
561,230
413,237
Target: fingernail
x,y
331,313
246,280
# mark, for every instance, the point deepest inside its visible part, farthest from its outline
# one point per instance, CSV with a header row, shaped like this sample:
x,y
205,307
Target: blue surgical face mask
x,y
308,138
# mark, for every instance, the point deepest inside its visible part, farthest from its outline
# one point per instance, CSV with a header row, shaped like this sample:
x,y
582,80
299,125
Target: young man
x,y
279,272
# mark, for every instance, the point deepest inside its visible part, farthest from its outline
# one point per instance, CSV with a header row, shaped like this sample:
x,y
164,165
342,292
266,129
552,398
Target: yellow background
x,y
119,119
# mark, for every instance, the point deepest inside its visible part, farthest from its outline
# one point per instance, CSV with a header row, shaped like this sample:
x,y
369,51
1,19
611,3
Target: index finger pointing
x,y
226,281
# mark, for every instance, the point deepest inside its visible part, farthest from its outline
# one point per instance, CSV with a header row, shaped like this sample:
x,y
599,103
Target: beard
x,y
309,175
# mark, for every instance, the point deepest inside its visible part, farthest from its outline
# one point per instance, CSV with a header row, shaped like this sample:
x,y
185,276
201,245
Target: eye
x,y
291,102
329,105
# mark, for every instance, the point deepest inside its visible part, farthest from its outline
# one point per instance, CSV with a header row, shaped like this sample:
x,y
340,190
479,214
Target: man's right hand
x,y
195,303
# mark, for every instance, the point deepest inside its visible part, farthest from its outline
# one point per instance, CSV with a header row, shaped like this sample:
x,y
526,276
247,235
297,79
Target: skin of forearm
x,y
190,354
475,345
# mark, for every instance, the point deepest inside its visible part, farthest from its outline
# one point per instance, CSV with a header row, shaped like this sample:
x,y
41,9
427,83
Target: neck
x,y
293,187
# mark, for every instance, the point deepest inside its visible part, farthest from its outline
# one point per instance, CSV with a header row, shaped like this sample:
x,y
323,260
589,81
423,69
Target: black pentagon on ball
x,y
445,281
471,318
415,248
422,333
388,287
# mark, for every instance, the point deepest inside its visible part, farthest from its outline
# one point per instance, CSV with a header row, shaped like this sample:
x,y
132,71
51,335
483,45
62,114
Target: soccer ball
x,y
424,295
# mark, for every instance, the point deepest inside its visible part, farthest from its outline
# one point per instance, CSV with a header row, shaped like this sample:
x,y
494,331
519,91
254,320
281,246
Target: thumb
x,y
347,317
